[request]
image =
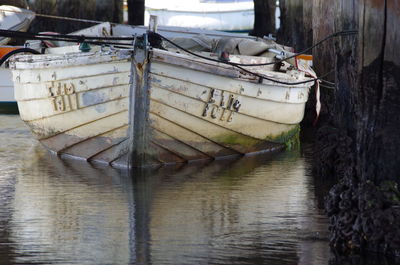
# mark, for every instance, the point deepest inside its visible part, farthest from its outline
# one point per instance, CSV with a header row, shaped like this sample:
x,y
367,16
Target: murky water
x,y
255,210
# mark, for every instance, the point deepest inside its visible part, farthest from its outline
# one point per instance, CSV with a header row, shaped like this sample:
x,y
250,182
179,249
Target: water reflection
x,y
234,213
254,210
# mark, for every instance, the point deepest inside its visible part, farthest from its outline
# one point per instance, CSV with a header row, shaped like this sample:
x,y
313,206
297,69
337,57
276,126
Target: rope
x,y
82,38
72,38
58,17
239,66
340,33
328,87
62,37
328,82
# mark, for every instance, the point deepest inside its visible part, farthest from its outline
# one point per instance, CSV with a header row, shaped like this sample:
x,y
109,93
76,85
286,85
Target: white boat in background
x,y
14,18
17,19
7,100
225,15
154,106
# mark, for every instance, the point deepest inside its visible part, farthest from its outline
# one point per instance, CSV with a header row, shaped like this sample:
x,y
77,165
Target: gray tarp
x,y
229,45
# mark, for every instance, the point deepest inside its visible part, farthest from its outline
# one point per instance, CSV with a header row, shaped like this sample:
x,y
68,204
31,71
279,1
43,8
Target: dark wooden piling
x,y
359,145
264,18
136,12
99,10
292,30
17,3
378,90
323,25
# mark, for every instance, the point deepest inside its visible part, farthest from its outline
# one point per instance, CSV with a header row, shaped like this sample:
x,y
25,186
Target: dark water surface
x,y
255,210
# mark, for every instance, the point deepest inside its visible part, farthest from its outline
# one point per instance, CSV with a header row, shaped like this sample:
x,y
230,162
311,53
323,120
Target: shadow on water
x,y
252,210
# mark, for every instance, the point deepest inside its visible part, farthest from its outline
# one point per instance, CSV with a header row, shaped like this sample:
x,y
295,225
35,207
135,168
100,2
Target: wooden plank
x,y
47,127
110,155
191,63
204,82
45,108
228,119
190,138
281,112
176,146
62,141
217,134
95,145
29,91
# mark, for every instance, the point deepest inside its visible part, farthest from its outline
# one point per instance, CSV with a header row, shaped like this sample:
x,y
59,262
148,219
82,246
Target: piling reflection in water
x,y
244,211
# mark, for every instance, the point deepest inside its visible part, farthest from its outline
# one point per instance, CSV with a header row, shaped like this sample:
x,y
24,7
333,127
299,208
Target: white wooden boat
x,y
158,108
18,19
226,15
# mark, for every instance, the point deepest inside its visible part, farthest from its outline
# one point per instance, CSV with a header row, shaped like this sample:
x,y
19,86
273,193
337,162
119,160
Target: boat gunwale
x,y
49,61
27,62
190,61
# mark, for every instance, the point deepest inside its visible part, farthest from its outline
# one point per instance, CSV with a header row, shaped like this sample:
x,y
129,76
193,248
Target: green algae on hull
x,y
291,138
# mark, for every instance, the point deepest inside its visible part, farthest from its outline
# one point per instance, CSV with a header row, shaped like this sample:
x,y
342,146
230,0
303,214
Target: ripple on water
x,y
254,210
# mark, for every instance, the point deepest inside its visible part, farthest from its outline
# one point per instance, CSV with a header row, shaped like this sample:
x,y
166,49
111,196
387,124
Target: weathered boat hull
x,y
78,109
196,113
169,108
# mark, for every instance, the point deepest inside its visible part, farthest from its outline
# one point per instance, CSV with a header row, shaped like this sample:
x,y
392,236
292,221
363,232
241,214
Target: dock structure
x,y
360,145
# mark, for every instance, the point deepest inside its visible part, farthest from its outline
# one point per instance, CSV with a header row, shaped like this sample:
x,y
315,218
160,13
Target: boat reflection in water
x,y
254,209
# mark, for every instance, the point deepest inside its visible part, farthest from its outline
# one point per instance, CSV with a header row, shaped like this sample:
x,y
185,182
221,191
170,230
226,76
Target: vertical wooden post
x,y
17,3
346,59
323,25
364,205
109,10
291,32
100,10
379,95
136,12
264,18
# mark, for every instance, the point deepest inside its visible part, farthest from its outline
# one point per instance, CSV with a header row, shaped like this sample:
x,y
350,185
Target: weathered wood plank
x,y
45,108
203,82
190,138
62,141
281,112
47,127
177,146
229,119
31,91
95,145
